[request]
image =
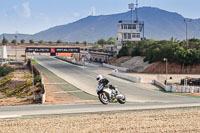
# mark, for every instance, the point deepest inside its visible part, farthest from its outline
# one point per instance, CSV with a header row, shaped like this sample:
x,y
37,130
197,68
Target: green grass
x,y
34,62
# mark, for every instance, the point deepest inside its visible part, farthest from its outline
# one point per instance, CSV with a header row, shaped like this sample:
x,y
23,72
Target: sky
x,y
32,16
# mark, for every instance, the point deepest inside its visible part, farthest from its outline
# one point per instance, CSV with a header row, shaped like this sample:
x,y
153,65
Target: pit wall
x,y
177,88
70,60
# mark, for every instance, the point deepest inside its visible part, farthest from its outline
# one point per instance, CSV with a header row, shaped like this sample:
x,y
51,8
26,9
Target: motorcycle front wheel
x,y
122,100
103,98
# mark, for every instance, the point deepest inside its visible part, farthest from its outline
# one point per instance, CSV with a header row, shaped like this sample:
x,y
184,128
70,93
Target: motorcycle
x,y
110,94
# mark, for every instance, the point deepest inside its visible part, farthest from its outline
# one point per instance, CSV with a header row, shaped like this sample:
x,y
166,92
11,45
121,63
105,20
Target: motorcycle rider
x,y
105,82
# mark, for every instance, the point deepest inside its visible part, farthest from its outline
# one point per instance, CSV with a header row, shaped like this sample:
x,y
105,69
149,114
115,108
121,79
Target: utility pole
x,y
186,23
166,60
136,10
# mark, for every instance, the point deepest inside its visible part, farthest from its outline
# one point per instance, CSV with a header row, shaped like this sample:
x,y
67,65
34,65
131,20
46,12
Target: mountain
x,y
159,24
10,37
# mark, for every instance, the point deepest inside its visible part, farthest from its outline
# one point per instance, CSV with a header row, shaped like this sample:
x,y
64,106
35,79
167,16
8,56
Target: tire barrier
x,y
177,88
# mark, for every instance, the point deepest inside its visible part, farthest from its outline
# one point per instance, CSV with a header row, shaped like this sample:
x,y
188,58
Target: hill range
x,y
159,25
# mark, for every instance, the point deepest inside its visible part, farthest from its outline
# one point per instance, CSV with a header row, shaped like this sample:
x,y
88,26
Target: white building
x,y
130,31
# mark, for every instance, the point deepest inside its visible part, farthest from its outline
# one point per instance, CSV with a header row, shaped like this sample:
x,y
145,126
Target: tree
x,y
101,42
111,41
123,52
95,46
77,42
31,41
85,43
5,41
59,41
41,41
22,41
14,41
50,42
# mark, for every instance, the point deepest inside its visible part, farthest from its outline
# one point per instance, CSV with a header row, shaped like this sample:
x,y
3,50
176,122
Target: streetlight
x,y
165,59
186,23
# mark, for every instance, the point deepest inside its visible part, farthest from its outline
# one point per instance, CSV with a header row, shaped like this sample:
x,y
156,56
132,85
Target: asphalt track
x,y
84,79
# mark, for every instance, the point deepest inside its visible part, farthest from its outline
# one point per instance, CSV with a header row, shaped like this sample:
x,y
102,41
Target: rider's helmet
x,y
99,77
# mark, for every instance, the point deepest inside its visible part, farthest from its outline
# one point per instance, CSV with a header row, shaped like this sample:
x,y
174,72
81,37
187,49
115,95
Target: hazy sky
x,y
31,16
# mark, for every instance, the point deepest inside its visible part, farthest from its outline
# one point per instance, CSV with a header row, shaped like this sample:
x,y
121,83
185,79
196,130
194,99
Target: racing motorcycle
x,y
110,94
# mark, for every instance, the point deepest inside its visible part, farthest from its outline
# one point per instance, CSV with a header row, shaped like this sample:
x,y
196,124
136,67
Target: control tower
x,y
130,30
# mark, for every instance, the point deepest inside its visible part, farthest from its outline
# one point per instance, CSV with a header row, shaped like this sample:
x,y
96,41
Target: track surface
x,y
84,78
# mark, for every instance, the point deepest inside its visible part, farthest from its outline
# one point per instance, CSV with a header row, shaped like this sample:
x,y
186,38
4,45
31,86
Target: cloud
x,y
15,7
27,10
76,14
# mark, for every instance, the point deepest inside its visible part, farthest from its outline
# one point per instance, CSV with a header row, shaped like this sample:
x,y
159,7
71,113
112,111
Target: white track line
x,y
10,116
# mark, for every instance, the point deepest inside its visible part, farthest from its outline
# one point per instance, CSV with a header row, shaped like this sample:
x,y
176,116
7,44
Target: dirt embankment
x,y
117,62
173,68
134,64
17,87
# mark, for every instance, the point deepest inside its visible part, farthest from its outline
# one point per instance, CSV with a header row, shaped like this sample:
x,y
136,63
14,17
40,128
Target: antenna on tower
x,y
136,10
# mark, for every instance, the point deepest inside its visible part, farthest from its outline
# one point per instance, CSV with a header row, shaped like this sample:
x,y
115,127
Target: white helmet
x,y
99,77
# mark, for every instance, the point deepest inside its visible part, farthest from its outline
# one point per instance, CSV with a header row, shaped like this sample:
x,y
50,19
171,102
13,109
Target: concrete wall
x,y
116,67
126,77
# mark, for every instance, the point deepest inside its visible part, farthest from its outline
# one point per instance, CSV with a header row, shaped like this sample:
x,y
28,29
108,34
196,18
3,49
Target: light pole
x,y
186,23
166,60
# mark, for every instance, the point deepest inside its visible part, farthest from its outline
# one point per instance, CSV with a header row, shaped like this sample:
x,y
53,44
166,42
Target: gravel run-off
x,y
172,120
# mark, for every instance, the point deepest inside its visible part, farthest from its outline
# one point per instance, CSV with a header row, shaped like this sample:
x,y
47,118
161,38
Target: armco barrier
x,y
116,67
37,72
43,95
126,77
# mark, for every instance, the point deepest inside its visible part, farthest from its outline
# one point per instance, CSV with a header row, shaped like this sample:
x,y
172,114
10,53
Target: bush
x,y
173,50
4,70
37,79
